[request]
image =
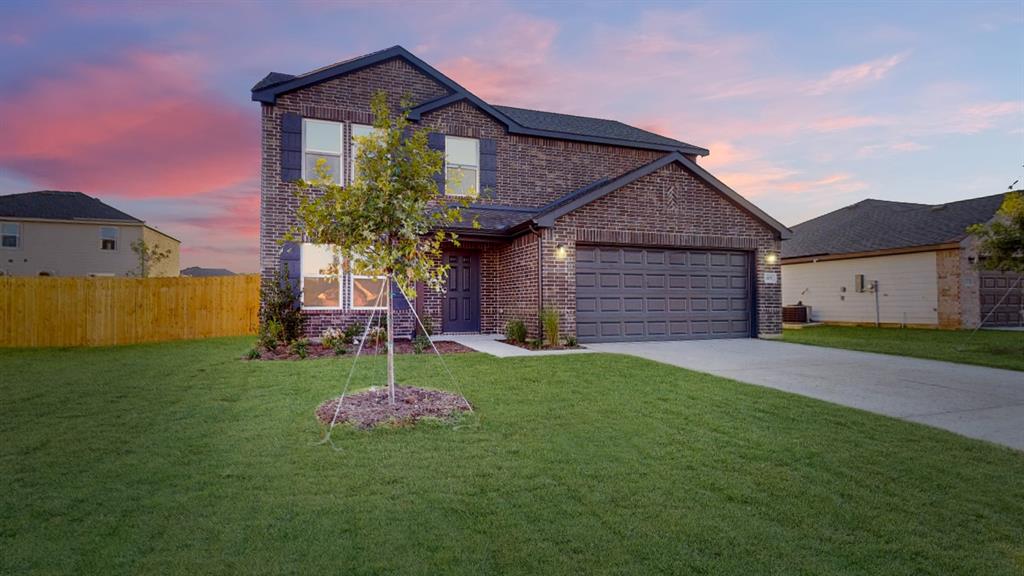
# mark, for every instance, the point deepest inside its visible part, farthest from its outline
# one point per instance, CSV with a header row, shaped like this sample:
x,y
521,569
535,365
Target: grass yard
x,y
181,459
995,348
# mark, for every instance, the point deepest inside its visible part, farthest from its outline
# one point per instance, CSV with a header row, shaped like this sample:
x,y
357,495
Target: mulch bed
x,y
526,346
371,407
402,346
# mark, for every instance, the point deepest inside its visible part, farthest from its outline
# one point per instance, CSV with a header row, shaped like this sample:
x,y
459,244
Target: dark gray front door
x,y
626,293
461,308
1002,298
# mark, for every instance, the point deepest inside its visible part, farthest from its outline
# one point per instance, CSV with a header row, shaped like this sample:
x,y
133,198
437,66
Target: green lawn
x,y
182,459
995,348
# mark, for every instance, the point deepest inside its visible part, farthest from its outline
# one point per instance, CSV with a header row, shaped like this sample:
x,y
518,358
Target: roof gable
x,y
515,120
546,216
871,225
58,205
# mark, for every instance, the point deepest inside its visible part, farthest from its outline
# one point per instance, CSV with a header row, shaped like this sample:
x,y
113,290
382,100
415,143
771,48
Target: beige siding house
x,y
50,233
899,264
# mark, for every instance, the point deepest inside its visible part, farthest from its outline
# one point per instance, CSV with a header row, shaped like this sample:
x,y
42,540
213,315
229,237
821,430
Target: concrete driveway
x,y
974,401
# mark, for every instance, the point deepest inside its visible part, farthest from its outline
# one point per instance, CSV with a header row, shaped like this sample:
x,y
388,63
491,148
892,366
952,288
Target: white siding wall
x,y
69,249
907,286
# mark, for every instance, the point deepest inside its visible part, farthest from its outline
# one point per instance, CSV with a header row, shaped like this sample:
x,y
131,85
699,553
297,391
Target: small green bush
x,y
271,334
570,341
535,343
340,348
549,319
332,337
300,347
515,331
254,353
352,332
420,343
279,300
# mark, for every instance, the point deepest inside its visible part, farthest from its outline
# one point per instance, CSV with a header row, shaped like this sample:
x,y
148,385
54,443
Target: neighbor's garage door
x,y
625,293
1001,286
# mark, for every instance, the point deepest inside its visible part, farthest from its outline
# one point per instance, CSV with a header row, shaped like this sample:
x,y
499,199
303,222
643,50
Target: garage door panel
x,y
1000,297
626,293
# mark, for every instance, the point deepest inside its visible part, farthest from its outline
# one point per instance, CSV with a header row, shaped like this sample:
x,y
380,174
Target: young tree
x,y
391,220
1002,239
149,256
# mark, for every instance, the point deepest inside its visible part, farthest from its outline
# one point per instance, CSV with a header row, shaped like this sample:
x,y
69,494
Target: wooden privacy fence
x,y
111,311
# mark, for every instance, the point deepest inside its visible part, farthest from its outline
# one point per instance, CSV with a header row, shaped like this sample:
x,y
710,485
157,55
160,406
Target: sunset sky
x,y
806,107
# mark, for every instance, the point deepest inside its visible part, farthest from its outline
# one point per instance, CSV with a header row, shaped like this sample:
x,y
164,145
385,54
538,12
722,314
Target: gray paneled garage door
x,y
1002,299
625,293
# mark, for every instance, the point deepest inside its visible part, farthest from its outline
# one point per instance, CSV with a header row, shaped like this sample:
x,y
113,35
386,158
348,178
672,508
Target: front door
x,y
461,308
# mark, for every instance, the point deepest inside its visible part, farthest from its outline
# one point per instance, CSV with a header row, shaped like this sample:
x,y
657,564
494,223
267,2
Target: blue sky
x,y
806,107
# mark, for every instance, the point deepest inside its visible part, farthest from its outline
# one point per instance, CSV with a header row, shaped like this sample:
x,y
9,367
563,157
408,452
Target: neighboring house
x,y
197,272
51,233
920,255
617,228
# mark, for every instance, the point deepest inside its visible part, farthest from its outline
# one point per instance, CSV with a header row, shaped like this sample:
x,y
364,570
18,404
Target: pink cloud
x,y
838,123
140,127
855,76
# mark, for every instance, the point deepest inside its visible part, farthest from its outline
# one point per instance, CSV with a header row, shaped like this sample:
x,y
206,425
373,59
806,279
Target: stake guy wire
x,y
366,331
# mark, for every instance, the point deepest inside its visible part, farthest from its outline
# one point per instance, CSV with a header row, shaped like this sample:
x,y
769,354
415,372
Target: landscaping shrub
x,y
515,331
420,343
549,320
352,332
300,347
340,349
253,353
535,344
271,334
331,337
570,341
279,301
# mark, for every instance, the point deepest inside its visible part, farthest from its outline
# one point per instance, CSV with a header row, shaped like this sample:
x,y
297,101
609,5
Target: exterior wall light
x,y
561,252
771,258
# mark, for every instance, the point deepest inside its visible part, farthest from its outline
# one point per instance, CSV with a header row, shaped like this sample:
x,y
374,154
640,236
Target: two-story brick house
x,y
617,228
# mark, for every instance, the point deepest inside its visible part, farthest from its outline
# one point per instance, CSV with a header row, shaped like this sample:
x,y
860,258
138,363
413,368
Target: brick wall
x,y
947,267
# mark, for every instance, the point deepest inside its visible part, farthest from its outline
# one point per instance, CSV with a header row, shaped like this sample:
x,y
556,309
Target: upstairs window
x,y
358,130
321,277
461,166
321,140
108,238
10,235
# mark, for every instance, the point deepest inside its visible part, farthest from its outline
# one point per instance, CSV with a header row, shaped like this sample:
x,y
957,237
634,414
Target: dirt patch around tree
x,y
317,350
370,408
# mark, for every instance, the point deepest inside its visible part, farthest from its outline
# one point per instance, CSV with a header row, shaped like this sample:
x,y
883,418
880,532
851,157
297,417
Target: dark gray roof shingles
x,y
586,126
58,205
871,225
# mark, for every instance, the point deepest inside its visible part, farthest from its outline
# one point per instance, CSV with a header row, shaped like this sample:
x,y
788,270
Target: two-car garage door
x,y
627,293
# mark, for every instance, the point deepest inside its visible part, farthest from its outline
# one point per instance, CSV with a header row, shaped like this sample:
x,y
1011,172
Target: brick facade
x,y
670,207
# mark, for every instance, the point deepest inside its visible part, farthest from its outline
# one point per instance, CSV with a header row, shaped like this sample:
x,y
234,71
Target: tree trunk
x,y
391,340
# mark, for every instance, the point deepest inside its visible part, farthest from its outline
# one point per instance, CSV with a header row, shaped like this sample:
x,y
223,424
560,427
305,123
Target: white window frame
x,y
340,153
17,235
352,149
117,239
352,292
302,282
447,192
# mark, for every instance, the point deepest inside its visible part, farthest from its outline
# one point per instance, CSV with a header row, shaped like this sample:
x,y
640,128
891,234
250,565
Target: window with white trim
x,y
368,293
461,166
10,235
108,238
321,140
321,277
358,130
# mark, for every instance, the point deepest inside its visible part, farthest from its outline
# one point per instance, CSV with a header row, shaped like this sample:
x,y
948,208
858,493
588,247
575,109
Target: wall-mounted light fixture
x,y
771,258
561,252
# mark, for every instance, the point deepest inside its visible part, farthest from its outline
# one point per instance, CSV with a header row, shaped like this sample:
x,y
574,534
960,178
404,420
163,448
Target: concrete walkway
x,y
488,343
974,401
